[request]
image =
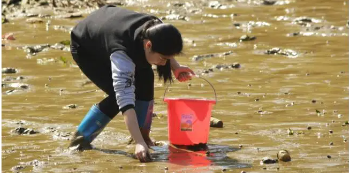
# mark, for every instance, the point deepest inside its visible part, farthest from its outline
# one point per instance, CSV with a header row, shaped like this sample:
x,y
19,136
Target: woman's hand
x,y
142,152
183,73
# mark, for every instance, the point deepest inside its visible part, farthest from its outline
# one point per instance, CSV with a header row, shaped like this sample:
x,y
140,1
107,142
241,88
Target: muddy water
x,y
296,102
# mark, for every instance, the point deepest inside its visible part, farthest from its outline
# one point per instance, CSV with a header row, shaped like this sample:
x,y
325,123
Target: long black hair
x,y
166,40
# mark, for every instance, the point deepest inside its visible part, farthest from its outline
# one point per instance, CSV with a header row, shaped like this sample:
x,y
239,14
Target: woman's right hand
x,y
142,152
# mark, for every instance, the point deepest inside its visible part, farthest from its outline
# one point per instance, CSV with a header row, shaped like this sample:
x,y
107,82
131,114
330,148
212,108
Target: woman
x,y
115,49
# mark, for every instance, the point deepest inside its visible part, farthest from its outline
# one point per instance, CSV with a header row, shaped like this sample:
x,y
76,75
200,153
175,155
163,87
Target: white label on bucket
x,y
186,122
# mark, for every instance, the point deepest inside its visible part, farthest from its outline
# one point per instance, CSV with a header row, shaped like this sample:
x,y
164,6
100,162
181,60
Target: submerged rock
x,y
305,21
22,131
9,70
33,50
10,78
221,67
201,57
247,38
268,160
17,168
278,51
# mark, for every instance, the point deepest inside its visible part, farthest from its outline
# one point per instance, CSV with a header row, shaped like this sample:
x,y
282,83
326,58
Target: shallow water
x,y
257,102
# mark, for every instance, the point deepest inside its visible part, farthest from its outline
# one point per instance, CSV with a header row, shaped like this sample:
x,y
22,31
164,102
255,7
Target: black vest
x,y
110,29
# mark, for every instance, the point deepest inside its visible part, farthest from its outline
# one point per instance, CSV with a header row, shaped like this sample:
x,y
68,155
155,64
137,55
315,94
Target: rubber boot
x,y
90,127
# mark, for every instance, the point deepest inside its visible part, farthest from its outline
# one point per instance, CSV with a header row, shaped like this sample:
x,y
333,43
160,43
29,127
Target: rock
x,y
17,168
278,51
214,4
16,85
268,160
22,131
214,122
70,106
289,131
235,65
283,155
10,91
237,24
33,50
160,143
9,70
273,51
305,21
269,2
201,57
247,38
221,66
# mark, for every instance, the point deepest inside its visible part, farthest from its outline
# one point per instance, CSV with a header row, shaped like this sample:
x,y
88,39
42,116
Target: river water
x,y
296,101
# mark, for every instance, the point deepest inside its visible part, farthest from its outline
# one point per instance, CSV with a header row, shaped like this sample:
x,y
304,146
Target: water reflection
x,y
196,158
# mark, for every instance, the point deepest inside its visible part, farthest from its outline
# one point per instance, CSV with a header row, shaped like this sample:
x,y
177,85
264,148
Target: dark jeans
x,y
98,70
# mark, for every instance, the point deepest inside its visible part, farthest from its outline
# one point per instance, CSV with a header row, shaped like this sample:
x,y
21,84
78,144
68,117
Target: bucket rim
x,y
189,99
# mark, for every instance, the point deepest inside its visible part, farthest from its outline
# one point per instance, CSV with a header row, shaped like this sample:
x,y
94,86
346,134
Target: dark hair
x,y
166,40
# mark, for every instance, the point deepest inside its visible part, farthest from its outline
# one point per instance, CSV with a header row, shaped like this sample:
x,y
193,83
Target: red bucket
x,y
189,119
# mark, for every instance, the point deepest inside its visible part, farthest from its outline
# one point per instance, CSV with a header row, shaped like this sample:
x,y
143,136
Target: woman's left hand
x,y
183,73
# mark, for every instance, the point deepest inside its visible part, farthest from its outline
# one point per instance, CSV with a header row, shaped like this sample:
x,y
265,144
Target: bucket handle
x,y
215,95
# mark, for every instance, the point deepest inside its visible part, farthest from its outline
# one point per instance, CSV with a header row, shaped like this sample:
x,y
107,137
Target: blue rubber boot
x,y
90,127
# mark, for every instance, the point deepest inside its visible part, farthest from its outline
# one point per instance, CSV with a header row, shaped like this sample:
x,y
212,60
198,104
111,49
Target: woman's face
x,y
154,58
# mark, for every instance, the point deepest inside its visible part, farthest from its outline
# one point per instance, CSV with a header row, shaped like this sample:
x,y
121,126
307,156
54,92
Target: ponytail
x,y
166,40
